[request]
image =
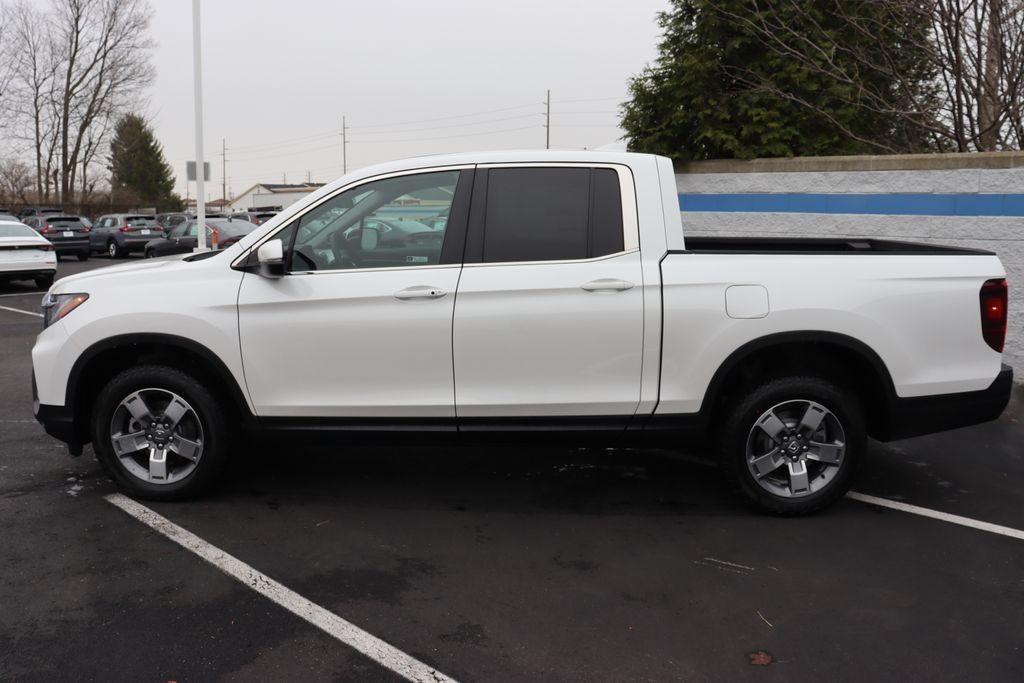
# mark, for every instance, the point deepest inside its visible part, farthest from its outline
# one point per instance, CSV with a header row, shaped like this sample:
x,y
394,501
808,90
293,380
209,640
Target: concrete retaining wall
x,y
971,200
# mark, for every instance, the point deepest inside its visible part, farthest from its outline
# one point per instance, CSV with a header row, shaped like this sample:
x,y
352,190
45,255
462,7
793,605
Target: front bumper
x,y
58,421
910,417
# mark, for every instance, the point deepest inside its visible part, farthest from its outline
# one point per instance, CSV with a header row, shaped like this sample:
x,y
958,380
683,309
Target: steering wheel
x,y
345,248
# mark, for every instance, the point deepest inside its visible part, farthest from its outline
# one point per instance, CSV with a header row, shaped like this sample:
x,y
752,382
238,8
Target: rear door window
x,y
65,222
551,214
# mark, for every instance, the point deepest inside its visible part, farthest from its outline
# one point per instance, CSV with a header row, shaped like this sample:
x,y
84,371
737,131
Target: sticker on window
x,y
416,259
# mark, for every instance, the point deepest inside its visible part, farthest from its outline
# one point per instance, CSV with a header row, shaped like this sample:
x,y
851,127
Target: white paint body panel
x,y
339,344
524,339
918,313
529,341
13,260
195,300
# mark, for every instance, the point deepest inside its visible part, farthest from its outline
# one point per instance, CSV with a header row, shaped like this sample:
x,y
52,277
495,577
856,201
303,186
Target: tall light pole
x,y
197,78
547,120
344,147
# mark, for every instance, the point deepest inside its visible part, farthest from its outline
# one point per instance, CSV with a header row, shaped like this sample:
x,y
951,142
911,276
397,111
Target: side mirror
x,y
369,238
270,256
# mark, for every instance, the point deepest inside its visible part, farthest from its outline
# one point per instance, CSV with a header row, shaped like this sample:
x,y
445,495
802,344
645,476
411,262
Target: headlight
x,y
56,306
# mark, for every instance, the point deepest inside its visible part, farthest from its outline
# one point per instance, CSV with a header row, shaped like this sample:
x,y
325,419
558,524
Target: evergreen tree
x,y
137,165
749,78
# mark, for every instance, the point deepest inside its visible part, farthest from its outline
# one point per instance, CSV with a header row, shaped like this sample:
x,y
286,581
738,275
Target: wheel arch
x,y
831,355
104,359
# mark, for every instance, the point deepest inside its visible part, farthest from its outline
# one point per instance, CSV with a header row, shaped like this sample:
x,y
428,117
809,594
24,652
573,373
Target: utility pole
x,y
344,147
197,78
223,174
547,122
309,177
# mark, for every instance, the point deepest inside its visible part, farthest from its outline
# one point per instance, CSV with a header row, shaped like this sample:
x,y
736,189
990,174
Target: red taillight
x,y
43,228
993,313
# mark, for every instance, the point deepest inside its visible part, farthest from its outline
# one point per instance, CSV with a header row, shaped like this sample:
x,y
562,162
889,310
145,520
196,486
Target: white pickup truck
x,y
516,294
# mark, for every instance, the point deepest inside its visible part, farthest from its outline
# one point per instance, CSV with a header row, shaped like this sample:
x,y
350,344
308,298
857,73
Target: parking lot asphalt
x,y
507,563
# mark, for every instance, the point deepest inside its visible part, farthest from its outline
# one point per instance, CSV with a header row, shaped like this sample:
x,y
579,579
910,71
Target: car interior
x,y
382,224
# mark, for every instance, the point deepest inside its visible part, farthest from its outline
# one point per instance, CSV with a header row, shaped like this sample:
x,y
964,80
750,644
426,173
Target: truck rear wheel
x,y
159,433
791,445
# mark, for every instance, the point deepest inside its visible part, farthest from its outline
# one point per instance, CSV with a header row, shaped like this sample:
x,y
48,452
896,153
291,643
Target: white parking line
x,y
37,293
18,310
935,514
373,647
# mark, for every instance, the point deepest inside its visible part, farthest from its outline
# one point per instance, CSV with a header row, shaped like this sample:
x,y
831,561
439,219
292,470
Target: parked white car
x,y
559,298
25,254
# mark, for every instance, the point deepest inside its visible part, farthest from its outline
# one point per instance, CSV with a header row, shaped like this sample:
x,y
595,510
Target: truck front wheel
x,y
791,445
159,433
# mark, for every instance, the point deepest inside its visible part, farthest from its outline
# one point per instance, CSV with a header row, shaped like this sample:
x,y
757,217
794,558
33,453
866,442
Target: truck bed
x,y
816,245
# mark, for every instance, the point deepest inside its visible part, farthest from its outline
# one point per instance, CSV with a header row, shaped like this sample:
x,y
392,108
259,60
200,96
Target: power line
x,y
443,118
450,125
589,99
304,138
449,137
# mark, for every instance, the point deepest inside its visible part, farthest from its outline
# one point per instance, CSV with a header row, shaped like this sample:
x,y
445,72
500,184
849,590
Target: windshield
x,y
139,221
16,230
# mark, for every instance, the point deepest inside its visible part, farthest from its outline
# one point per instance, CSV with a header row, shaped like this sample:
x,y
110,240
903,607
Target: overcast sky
x,y
412,78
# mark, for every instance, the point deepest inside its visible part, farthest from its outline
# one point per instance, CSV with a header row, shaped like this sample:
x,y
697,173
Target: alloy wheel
x,y
157,436
795,448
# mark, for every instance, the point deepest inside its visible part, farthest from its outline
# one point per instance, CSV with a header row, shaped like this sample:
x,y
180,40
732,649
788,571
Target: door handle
x,y
607,284
420,292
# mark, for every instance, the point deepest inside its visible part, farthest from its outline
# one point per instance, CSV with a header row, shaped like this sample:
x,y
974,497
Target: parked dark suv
x,y
118,234
254,217
68,234
184,237
166,221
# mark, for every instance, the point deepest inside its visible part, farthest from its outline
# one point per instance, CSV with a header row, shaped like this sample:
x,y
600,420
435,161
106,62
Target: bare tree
x,y
966,92
15,181
104,62
31,102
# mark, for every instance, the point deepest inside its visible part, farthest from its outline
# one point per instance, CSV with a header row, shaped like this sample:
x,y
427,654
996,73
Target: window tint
x,y
606,213
536,214
549,214
383,224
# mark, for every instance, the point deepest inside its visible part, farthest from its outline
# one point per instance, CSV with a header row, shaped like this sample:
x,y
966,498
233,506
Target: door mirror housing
x,y
270,257
369,238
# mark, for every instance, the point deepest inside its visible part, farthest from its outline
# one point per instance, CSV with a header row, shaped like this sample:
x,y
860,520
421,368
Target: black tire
x,y
44,281
83,255
150,253
209,411
738,424
114,251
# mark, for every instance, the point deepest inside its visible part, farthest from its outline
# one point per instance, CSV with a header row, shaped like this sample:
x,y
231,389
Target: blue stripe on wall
x,y
909,204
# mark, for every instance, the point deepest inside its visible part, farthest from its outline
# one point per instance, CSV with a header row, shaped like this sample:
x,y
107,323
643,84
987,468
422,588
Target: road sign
x,y
190,170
